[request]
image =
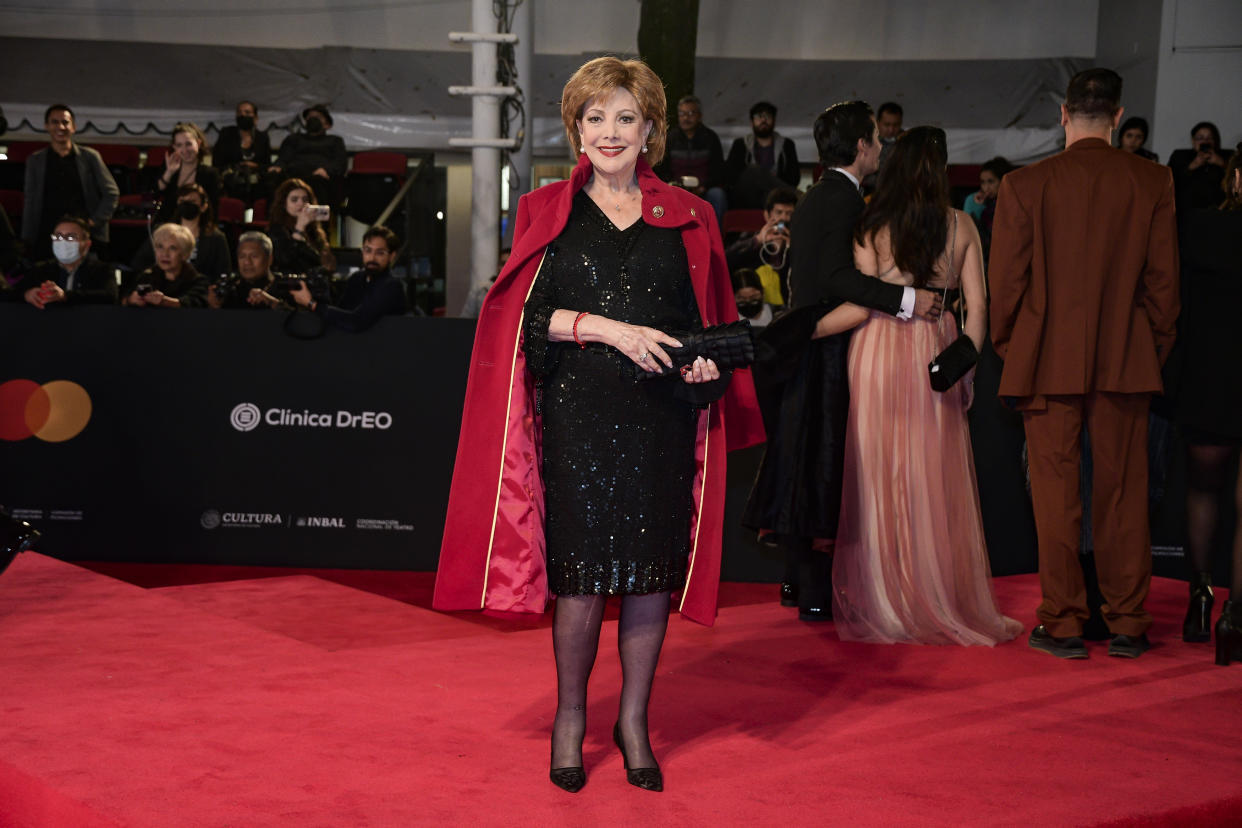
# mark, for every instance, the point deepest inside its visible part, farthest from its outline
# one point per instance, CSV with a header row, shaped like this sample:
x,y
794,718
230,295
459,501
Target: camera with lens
x,y
227,288
317,282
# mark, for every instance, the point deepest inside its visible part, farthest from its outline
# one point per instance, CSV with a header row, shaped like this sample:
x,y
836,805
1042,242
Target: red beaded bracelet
x,y
578,319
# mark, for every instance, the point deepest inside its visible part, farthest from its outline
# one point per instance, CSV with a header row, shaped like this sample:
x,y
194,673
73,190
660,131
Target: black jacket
x,y
210,256
301,154
228,149
741,156
701,156
365,300
93,284
290,255
190,286
821,251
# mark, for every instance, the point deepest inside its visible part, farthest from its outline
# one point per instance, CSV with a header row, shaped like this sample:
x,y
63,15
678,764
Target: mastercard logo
x,y
53,412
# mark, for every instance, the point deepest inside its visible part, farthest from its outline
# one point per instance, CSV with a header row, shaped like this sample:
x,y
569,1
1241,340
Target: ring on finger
x,y
643,356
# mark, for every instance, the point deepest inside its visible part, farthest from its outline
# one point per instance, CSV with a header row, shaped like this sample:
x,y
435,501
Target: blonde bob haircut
x,y
597,80
183,237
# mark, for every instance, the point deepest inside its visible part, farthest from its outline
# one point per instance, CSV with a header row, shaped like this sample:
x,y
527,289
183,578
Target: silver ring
x,y
643,357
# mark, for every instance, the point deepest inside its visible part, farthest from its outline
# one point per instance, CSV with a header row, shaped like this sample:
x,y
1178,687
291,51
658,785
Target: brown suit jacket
x,y
1084,273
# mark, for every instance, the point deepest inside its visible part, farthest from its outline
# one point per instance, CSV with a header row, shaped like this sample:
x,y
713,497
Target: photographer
x,y
767,252
370,293
253,286
172,282
1198,172
75,277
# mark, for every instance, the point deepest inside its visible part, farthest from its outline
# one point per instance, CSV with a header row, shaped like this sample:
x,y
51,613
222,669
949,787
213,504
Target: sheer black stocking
x,y
1207,476
575,641
640,634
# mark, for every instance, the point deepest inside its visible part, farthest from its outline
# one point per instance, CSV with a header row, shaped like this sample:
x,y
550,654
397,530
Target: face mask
x,y
188,210
66,252
245,122
314,126
750,309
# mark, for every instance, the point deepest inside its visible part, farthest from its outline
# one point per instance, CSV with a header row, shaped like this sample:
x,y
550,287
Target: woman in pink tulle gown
x,y
911,564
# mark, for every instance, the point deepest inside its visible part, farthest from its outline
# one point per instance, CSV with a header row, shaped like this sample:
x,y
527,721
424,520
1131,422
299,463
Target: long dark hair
x,y
912,201
277,213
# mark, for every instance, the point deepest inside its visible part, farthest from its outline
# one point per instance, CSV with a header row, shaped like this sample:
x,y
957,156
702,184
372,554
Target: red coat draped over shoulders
x,y
492,554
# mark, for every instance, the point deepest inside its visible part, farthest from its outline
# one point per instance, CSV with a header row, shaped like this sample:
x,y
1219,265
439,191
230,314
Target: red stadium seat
x,y
119,155
12,201
155,156
231,210
380,163
742,221
21,150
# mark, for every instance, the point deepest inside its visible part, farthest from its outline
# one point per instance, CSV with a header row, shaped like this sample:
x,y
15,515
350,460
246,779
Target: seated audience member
x,y
1132,136
172,282
1198,172
748,294
370,293
888,121
693,151
314,156
760,161
981,204
767,252
65,179
242,153
185,164
254,284
211,249
299,243
75,276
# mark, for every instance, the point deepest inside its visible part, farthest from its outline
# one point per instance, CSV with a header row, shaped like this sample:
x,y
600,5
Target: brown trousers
x,y
1118,427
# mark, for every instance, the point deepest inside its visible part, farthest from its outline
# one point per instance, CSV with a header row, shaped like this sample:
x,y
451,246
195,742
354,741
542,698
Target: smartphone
x,y
319,212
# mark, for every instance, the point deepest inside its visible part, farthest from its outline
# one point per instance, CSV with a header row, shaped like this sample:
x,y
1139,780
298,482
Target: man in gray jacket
x,y
65,179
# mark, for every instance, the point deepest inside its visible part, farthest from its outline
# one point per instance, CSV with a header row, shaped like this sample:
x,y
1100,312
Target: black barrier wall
x,y
213,437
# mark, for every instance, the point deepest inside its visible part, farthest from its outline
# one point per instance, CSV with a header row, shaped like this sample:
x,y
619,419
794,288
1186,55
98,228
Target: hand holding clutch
x,y
730,346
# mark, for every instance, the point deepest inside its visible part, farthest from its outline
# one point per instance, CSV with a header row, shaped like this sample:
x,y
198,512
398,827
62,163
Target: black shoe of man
x,y
1129,646
1070,647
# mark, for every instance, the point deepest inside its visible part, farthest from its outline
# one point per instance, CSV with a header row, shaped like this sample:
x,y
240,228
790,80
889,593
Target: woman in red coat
x,y
572,477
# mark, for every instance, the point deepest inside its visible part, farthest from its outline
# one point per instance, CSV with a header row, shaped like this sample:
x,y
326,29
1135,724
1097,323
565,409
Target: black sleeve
x,y
213,255
387,298
289,255
96,286
262,149
227,150
742,253
736,162
790,172
821,255
195,293
540,305
716,175
288,151
338,158
209,179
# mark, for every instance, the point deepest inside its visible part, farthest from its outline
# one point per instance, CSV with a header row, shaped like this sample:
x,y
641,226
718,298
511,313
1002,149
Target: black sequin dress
x,y
618,454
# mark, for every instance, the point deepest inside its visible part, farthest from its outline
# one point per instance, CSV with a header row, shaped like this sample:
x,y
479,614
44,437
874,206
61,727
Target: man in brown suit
x,y
1084,283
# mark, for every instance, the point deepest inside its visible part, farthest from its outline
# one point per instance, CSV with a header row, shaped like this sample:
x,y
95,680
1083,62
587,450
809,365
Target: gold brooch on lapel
x,y
692,213
657,211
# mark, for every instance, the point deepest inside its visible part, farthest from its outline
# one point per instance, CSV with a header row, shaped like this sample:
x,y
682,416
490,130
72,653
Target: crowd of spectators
x,y
70,197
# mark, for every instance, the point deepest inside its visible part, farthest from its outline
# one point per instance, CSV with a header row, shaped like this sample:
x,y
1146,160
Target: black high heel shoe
x,y
649,779
1229,634
1198,624
568,779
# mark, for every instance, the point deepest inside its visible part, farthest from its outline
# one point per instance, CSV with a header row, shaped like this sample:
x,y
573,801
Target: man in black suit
x,y
797,493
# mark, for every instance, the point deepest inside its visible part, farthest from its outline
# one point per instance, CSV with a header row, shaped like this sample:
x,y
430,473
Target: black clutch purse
x,y
951,364
730,346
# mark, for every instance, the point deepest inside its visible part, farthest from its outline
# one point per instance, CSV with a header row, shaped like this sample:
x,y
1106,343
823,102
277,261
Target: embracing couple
x,y
868,480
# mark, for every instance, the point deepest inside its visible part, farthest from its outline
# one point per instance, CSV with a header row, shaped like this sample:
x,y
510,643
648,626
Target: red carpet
x,y
250,697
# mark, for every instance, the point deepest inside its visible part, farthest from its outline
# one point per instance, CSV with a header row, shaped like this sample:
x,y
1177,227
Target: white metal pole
x,y
485,161
523,54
